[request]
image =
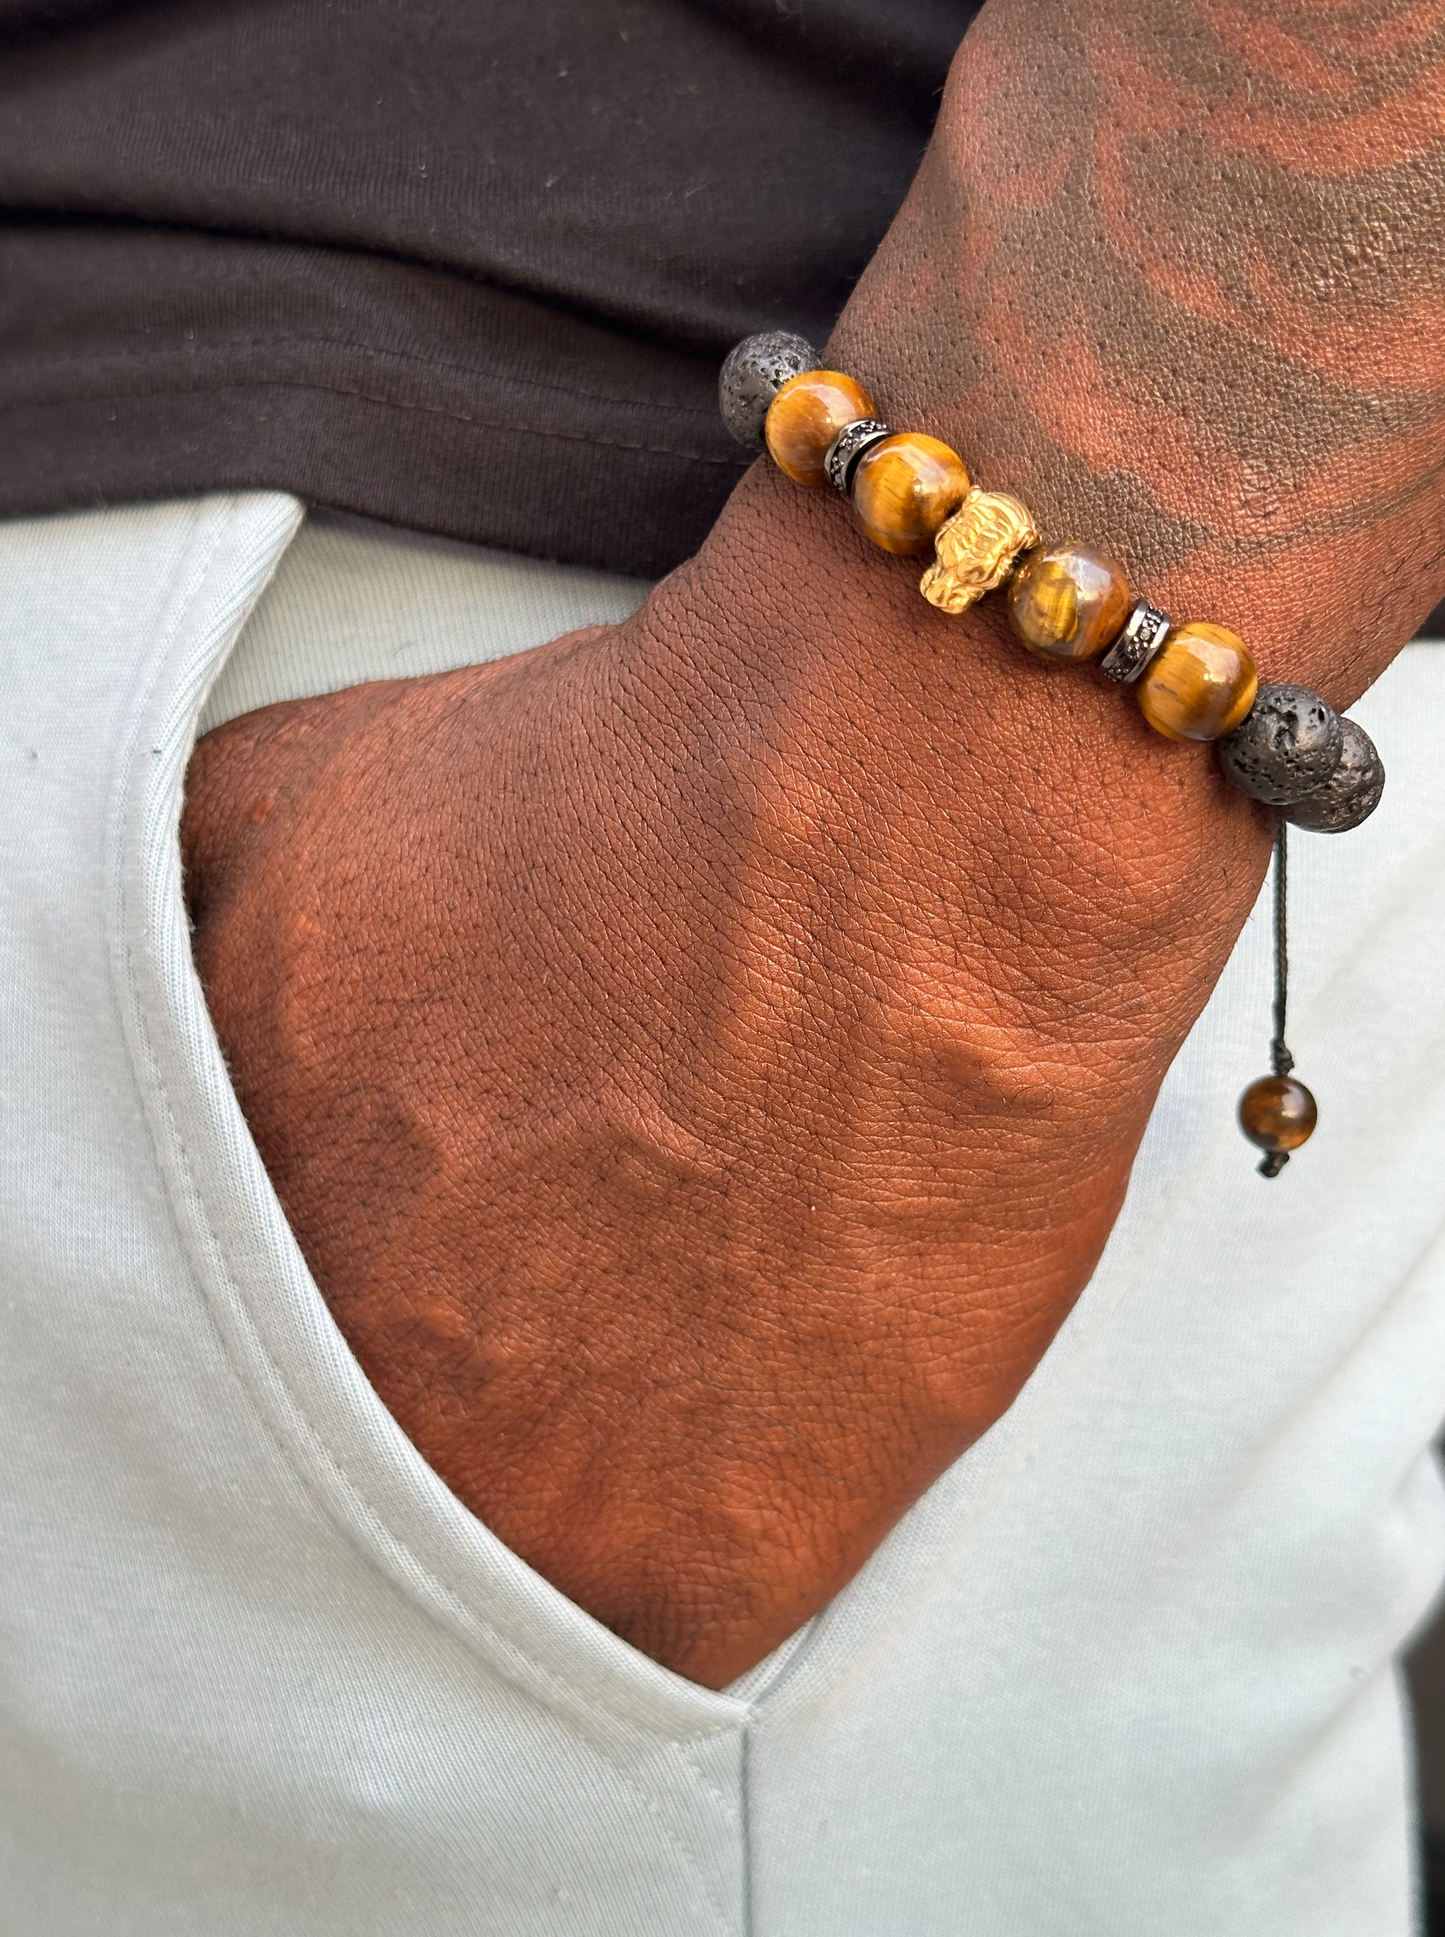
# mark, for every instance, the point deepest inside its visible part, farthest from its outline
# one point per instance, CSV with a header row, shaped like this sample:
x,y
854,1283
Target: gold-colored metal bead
x,y
975,550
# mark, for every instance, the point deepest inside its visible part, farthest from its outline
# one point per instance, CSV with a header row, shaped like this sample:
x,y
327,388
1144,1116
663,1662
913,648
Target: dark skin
x,y
702,1059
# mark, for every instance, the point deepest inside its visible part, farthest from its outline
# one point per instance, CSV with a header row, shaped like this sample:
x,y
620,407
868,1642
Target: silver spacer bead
x,y
755,371
848,446
1145,631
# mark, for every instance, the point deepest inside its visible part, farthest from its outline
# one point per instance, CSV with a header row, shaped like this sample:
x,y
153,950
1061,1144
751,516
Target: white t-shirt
x,y
1129,1667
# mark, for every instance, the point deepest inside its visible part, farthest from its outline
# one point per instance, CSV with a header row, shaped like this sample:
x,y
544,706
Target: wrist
x,y
1153,319
984,863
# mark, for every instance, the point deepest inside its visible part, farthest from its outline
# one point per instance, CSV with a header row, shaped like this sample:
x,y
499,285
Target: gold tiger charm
x,y
976,548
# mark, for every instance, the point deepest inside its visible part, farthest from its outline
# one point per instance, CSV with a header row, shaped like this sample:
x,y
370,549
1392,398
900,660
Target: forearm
x,y
1176,273
753,1076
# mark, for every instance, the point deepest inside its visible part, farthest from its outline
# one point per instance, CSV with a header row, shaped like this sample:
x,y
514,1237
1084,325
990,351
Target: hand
x,y
702,1059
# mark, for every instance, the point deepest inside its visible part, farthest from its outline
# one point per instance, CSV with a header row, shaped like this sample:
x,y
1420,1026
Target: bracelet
x,y
1280,744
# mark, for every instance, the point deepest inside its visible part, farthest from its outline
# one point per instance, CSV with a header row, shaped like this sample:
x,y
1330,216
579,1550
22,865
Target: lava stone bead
x,y
1288,746
1068,602
755,371
904,487
1277,1113
1352,792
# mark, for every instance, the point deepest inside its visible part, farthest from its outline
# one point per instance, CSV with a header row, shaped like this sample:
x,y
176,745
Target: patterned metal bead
x,y
1287,747
1352,792
849,445
755,371
976,549
1145,631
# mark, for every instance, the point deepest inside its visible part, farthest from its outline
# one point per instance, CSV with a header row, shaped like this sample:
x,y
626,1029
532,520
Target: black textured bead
x,y
755,371
1352,792
1286,748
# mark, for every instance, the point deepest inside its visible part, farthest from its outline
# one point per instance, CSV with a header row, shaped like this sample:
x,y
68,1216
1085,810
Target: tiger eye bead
x,y
1277,1113
1200,684
804,418
904,488
1068,602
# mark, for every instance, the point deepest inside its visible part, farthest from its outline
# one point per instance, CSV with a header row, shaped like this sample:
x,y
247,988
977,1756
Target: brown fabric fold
x,y
469,268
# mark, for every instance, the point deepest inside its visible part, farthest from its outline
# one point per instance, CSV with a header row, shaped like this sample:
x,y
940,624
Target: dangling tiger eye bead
x,y
1068,602
1277,1114
1200,684
804,418
904,488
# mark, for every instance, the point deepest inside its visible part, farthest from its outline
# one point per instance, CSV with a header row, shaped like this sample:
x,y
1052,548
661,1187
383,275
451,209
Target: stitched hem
x,y
609,489
307,340
469,418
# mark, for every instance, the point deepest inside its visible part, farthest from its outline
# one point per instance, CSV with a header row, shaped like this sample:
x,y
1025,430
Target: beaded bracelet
x,y
1280,744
